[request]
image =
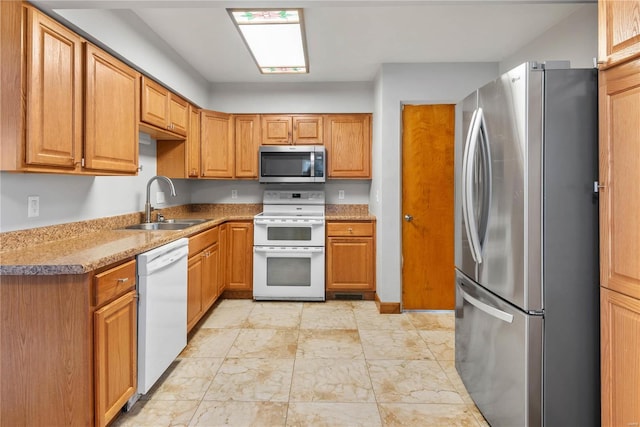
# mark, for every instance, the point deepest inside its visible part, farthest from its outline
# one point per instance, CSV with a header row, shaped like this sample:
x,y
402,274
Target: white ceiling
x,y
347,40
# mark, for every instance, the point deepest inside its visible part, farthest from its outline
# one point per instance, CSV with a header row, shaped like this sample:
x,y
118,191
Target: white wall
x,y
351,97
69,198
123,32
397,84
574,39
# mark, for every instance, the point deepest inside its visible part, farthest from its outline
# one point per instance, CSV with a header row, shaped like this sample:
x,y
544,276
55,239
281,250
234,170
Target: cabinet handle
x,y
350,230
123,280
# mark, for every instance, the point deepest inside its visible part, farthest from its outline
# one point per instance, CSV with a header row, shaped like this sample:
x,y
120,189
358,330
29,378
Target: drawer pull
x,y
350,230
123,280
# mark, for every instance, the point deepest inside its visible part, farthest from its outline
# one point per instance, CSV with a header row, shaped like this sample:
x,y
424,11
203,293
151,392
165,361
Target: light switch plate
x,y
160,198
234,194
341,194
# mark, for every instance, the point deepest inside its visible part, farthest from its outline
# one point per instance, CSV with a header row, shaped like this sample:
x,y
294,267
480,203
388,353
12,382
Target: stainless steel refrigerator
x,y
526,252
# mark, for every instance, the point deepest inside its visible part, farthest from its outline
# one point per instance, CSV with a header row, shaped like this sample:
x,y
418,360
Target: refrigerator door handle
x,y
492,311
471,146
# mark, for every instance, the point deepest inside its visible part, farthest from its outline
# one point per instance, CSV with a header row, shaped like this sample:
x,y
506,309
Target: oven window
x,y
289,233
288,271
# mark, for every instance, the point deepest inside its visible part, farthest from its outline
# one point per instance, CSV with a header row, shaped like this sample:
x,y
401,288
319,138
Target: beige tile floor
x,y
338,363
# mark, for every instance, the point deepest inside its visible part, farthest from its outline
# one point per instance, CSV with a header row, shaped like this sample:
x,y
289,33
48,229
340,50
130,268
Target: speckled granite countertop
x,y
81,247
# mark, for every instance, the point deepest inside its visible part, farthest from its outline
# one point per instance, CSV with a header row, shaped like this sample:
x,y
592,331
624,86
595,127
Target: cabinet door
x,y
618,31
224,258
348,142
112,105
54,93
178,115
620,341
276,130
195,277
154,104
240,256
216,145
193,143
247,142
619,176
350,263
211,276
307,130
115,349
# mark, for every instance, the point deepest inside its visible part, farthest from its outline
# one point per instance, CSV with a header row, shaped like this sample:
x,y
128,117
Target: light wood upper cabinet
x,y
193,143
163,109
618,31
247,143
303,129
348,142
112,99
216,145
41,96
54,93
619,176
620,341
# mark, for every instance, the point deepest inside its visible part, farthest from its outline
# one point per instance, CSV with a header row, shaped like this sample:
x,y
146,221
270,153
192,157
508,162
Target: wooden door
x,y
154,103
193,143
112,111
427,207
618,31
54,93
348,141
216,145
240,256
195,277
178,115
276,130
307,130
116,347
620,177
247,142
620,341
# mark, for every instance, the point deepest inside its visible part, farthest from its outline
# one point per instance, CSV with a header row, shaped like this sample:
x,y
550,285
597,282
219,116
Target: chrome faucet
x,y
147,206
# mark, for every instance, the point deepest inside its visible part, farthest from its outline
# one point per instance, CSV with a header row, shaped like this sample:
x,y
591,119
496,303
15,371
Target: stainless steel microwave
x,y
292,163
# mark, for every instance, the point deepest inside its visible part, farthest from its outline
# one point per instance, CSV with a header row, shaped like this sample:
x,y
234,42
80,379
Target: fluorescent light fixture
x,y
275,38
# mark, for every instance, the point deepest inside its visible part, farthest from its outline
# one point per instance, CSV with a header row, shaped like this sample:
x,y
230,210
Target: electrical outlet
x,y
160,198
33,206
234,194
341,194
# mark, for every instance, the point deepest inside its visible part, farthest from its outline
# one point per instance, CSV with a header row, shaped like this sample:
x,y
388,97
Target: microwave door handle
x,y
313,164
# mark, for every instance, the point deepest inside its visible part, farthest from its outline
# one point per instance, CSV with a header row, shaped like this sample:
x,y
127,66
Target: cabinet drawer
x,y
349,229
200,241
114,282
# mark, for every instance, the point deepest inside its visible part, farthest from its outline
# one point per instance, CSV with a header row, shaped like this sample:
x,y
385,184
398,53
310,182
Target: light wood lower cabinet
x,y
115,348
68,347
620,341
203,283
350,258
239,272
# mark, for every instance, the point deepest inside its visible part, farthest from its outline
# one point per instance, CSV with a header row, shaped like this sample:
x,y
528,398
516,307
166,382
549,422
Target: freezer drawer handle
x,y
492,311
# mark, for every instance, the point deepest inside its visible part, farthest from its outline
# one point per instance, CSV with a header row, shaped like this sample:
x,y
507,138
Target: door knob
x,y
408,218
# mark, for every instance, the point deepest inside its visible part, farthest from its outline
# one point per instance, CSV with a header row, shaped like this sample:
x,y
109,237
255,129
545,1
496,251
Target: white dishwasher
x,y
162,311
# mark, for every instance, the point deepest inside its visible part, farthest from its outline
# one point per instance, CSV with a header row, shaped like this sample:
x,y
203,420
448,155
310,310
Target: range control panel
x,y
293,197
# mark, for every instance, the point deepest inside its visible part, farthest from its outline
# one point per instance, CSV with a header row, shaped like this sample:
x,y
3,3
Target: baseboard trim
x,y
387,307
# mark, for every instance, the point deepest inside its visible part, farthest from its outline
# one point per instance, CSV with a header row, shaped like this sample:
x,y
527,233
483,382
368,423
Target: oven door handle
x,y
293,250
281,223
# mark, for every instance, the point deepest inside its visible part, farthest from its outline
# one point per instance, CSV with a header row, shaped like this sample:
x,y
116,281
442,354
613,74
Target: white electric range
x,y
289,241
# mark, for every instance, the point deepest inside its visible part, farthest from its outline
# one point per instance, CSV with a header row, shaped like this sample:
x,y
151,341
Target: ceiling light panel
x,y
275,38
